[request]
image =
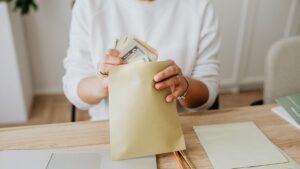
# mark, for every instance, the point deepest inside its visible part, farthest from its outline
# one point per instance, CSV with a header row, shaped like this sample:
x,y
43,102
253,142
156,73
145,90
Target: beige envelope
x,y
141,121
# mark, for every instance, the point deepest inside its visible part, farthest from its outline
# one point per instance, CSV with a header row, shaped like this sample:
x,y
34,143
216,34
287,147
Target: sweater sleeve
x,y
78,63
206,68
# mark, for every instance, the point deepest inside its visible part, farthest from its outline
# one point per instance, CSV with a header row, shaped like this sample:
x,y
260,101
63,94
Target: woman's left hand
x,y
171,77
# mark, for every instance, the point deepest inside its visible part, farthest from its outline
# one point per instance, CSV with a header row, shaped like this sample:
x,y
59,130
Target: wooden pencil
x,y
178,160
187,160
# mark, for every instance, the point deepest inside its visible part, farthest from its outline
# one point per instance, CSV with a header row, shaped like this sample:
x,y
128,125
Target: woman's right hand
x,y
93,89
110,60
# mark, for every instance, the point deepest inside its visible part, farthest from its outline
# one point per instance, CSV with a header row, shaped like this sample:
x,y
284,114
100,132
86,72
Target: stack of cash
x,y
133,49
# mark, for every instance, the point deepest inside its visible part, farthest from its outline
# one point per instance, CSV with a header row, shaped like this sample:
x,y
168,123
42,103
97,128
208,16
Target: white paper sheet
x,y
280,111
238,145
137,163
24,159
75,160
35,159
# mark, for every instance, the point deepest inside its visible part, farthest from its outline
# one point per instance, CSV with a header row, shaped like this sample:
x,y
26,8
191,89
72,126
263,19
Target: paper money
x,y
133,49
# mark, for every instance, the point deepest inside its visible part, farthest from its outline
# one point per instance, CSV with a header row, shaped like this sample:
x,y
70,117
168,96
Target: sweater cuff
x,y
71,91
212,95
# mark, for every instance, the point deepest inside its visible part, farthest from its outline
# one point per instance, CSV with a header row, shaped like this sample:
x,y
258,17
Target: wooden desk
x,y
91,135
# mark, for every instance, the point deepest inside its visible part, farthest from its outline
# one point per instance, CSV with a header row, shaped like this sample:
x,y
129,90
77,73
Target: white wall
x,y
249,27
16,87
22,57
47,34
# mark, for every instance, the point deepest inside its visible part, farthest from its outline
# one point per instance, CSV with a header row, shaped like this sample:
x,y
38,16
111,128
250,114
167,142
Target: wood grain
x,y
50,109
94,135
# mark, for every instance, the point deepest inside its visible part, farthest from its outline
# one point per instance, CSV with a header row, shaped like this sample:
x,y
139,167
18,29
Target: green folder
x,y
292,105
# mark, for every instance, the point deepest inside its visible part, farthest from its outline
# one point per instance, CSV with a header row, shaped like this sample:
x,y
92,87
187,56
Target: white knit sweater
x,y
185,31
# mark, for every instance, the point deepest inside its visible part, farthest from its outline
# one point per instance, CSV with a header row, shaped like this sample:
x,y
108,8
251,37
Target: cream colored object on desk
x,y
136,163
238,145
141,121
59,159
291,164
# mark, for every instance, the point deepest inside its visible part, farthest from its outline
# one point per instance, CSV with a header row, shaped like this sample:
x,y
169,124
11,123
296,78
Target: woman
x,y
184,31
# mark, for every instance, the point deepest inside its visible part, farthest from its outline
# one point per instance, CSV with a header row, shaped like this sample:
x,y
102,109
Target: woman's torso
x,y
170,26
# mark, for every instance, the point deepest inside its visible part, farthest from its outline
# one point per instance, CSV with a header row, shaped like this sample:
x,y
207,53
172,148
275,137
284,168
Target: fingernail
x,y
157,86
156,78
169,99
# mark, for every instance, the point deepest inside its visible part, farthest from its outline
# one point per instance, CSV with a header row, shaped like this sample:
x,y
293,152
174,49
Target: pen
x,y
178,160
187,160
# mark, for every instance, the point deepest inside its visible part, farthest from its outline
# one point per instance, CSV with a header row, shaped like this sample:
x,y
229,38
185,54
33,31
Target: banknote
x,y
133,49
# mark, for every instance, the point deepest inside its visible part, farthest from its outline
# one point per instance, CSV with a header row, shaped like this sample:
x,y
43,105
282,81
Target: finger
x,y
178,92
113,52
173,81
112,60
171,62
169,98
175,94
168,72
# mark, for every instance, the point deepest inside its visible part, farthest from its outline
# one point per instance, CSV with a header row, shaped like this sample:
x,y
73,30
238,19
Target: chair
x,y
73,109
282,72
73,113
216,104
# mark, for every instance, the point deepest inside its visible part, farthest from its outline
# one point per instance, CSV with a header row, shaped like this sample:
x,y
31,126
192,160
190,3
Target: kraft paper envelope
x,y
238,145
142,123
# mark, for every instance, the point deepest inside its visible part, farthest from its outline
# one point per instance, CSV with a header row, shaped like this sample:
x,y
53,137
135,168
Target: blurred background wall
x,y
47,33
248,27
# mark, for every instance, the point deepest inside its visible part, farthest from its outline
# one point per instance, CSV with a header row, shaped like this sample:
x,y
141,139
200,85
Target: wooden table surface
x,y
94,135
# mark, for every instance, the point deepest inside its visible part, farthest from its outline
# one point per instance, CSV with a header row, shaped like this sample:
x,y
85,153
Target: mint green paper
x,y
237,145
291,164
292,105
